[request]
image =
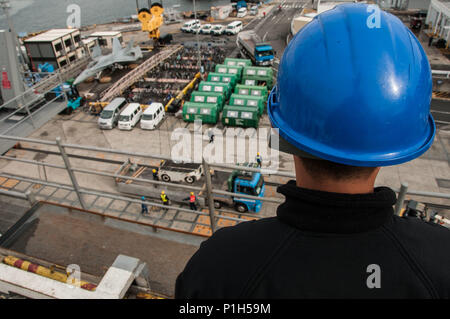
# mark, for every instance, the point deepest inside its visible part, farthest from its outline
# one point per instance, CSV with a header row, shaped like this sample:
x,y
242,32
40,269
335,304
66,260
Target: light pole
x,y
5,5
199,62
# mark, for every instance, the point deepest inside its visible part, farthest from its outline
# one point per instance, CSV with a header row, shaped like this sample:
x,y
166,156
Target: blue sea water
x,y
35,15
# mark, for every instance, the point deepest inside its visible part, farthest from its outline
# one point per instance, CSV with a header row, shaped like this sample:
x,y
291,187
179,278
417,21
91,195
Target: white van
x,y
110,114
188,25
152,115
242,12
218,29
130,116
234,27
206,29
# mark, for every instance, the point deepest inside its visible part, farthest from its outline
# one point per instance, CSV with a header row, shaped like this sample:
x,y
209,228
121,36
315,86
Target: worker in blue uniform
x,y
144,208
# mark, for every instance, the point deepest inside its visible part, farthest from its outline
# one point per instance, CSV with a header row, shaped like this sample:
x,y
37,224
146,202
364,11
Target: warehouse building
x,y
404,4
58,47
105,38
438,19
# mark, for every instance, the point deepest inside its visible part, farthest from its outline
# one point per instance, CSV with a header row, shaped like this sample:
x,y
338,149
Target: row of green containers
x,y
245,105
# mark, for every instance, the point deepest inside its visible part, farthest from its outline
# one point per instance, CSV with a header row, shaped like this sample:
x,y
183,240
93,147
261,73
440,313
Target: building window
x,y
58,47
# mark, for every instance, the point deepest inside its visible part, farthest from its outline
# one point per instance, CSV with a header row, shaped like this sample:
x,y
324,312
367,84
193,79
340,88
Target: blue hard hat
x,y
354,87
143,198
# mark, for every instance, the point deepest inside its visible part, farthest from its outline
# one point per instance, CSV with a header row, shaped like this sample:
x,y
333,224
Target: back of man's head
x,y
353,88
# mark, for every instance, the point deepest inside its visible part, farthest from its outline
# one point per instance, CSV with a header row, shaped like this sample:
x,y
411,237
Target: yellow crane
x,y
177,102
151,19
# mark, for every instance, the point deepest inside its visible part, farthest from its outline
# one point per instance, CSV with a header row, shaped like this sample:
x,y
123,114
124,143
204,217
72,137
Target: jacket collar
x,y
324,212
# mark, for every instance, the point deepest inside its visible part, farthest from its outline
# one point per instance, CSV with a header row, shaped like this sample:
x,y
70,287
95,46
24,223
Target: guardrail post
x,y
70,171
401,198
207,172
31,198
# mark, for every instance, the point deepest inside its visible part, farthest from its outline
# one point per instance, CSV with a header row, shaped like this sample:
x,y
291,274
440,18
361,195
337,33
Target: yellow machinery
x,y
151,19
175,103
46,272
97,107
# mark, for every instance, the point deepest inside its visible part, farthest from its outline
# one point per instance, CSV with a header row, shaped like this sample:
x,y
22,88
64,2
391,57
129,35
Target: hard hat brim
x,y
286,147
293,142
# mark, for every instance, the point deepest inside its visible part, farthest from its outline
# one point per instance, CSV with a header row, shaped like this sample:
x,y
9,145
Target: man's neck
x,y
344,187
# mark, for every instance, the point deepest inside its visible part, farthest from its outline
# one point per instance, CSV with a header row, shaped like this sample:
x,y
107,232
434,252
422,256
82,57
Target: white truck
x,y
252,47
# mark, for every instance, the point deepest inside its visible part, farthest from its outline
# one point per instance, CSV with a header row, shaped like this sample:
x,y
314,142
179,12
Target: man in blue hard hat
x,y
144,208
351,97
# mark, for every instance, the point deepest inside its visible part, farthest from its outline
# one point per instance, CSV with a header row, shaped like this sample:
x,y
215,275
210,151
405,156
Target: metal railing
x,y
208,187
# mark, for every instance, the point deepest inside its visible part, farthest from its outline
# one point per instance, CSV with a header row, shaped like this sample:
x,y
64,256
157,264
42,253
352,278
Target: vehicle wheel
x,y
165,178
189,179
241,208
217,204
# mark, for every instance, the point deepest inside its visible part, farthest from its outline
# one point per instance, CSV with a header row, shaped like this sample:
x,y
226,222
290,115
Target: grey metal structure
x,y
70,171
10,68
213,217
30,110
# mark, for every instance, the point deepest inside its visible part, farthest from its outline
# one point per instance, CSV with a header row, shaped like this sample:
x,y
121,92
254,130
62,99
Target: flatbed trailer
x,y
221,180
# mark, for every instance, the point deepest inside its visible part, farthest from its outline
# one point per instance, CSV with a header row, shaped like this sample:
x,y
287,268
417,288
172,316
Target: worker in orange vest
x,y
192,200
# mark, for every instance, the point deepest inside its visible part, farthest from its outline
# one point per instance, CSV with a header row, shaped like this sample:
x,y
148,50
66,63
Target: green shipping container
x,y
248,100
236,70
255,75
207,112
218,87
240,116
209,97
240,62
252,90
223,77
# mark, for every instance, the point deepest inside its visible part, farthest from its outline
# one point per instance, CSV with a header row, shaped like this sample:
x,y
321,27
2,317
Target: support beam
x,y
70,171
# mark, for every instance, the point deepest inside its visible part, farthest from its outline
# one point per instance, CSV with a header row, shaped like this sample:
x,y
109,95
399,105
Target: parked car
x,y
152,115
234,27
253,10
242,12
189,24
206,29
195,29
130,116
218,29
109,117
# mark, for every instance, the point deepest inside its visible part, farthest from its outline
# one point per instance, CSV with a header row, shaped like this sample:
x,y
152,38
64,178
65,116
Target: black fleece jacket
x,y
323,245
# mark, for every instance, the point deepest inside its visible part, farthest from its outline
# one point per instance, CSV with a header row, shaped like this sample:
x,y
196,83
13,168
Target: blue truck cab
x,y
263,54
248,183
